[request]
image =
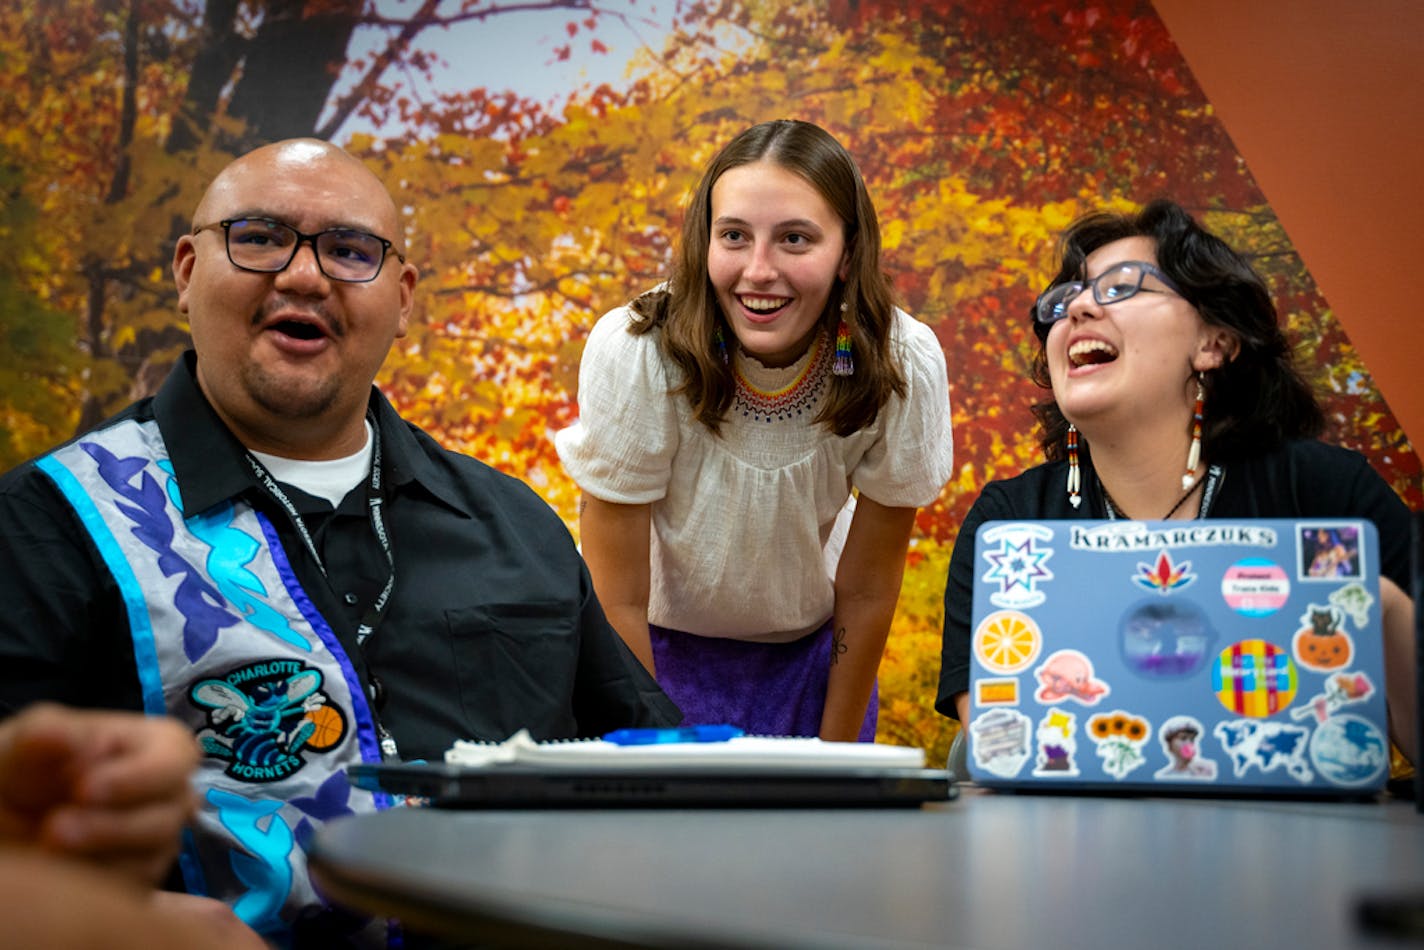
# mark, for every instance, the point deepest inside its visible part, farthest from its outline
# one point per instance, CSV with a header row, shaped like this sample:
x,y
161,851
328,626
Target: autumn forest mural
x,y
982,128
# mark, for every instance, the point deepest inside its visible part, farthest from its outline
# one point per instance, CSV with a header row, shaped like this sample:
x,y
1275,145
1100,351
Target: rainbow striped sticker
x,y
1254,678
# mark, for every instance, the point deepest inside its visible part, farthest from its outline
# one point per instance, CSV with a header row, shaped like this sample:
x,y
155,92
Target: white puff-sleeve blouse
x,y
744,525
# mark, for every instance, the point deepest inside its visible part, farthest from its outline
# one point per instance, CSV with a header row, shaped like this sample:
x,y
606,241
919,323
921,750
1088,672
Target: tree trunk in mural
x,y
283,74
94,339
290,67
220,49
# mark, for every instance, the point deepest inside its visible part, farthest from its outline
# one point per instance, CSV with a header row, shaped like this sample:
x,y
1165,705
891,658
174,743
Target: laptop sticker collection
x,y
1166,638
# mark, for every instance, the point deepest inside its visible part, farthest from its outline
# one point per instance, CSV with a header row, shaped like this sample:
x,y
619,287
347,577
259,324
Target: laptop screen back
x,y
1206,656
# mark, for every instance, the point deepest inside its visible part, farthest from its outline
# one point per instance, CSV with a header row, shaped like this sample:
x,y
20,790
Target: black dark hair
x,y
1255,401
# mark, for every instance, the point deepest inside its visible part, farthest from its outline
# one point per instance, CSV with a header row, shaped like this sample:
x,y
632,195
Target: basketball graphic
x,y
328,727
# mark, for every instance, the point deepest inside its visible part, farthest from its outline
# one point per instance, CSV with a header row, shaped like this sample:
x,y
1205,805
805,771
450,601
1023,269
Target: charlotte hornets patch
x,y
263,716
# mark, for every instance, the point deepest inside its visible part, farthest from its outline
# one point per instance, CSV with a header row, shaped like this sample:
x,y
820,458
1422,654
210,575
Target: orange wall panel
x,y
1325,101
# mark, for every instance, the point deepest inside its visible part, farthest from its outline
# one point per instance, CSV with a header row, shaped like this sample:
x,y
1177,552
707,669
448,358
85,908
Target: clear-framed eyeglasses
x,y
1118,283
267,247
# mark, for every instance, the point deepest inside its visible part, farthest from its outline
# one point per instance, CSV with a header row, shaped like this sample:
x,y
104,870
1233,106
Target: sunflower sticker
x,y
1119,737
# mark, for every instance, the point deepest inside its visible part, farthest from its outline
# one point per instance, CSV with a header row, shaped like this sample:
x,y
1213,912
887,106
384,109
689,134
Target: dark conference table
x,y
986,871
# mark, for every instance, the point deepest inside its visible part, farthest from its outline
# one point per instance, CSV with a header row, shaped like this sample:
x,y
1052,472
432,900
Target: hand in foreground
x,y
109,787
51,902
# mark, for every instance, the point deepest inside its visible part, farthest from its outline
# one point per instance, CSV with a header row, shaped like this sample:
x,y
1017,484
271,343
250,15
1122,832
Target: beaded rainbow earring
x,y
1189,478
843,365
720,341
1075,477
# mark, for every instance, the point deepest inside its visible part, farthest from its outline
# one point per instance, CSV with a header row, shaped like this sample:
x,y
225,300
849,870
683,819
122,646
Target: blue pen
x,y
680,734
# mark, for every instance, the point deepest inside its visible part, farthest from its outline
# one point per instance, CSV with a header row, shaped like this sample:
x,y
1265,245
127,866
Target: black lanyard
x,y
375,506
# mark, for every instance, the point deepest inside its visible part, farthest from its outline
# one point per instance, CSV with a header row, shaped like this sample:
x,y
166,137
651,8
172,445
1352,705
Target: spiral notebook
x,y
1217,657
749,771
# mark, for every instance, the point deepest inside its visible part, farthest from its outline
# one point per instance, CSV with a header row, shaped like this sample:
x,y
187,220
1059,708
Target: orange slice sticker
x,y
1007,641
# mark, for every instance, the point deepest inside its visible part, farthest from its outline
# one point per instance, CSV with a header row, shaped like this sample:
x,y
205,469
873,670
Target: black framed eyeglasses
x,y
267,247
1118,283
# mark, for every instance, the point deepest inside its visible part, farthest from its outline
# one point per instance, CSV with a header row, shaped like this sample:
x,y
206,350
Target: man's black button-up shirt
x,y
492,626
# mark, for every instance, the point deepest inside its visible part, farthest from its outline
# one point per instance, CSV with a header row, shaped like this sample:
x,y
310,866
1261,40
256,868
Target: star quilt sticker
x,y
1018,564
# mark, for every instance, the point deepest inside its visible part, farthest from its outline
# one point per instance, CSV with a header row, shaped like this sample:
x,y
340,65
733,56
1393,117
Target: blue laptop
x,y
1218,656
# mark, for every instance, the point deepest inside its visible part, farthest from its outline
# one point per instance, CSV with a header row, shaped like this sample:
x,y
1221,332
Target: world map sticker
x,y
1265,746
1254,678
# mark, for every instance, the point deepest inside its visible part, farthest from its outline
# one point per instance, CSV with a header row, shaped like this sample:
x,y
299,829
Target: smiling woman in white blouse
x,y
754,440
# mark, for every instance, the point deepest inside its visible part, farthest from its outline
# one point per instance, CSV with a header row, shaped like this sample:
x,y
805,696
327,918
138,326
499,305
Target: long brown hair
x,y
686,308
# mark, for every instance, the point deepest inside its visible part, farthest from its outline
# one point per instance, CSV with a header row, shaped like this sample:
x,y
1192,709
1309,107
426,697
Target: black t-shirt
x,y
1304,479
493,625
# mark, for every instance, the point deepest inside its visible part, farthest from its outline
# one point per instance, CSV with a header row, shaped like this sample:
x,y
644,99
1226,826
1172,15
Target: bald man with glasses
x,y
266,551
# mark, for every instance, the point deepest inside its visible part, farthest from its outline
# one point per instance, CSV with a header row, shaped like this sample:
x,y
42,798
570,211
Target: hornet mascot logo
x,y
262,716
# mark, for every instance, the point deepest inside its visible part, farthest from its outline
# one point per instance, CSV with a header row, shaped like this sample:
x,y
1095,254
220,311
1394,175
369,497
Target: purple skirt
x,y
766,689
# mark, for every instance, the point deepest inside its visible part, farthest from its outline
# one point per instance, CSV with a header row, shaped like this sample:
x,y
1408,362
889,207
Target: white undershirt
x,y
331,479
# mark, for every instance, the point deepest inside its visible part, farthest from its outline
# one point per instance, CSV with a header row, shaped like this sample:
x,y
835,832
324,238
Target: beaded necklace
x,y
796,399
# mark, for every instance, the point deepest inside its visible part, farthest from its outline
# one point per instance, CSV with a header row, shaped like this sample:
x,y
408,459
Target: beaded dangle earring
x,y
843,365
1074,475
720,341
1189,477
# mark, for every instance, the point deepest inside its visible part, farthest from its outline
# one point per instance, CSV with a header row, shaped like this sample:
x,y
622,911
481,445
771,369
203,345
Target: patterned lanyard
x,y
376,612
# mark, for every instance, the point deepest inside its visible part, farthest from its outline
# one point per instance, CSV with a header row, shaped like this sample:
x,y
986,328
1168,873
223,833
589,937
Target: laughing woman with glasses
x,y
1174,395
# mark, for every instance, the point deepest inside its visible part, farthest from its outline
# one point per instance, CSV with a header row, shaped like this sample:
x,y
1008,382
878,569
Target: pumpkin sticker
x,y
1321,644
